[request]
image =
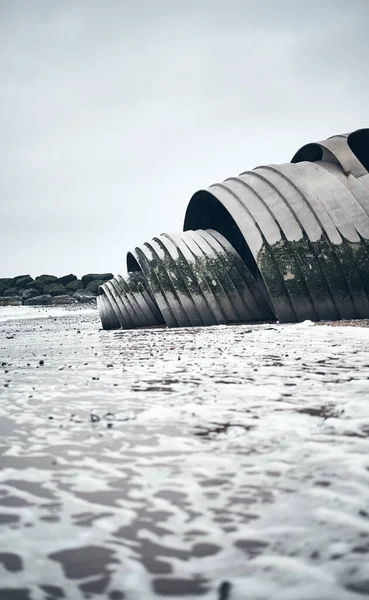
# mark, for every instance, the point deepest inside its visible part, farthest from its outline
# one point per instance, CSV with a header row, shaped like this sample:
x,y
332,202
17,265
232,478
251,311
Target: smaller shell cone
x,y
194,278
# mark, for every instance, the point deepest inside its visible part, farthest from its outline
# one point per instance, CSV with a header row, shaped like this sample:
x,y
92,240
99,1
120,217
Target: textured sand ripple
x,y
222,462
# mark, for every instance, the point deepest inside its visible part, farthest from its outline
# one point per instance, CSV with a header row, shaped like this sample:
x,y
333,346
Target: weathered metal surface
x,y
126,303
334,149
107,316
289,241
301,227
191,279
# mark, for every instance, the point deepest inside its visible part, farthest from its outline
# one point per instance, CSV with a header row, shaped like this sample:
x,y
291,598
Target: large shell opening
x,y
204,211
358,142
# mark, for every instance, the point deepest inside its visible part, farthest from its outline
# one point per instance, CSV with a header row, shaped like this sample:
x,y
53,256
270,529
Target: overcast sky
x,y
114,112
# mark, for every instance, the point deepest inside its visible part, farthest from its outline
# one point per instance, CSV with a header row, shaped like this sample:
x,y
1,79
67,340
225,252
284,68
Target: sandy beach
x,y
222,462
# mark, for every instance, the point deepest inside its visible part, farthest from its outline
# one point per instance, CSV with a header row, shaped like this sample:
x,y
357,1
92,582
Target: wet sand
x,y
223,462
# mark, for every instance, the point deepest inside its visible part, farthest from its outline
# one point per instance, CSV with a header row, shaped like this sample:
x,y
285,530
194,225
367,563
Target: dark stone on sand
x,y
10,301
30,293
40,291
73,286
64,299
83,296
35,285
43,300
67,279
5,283
54,289
86,279
13,291
45,279
93,286
21,281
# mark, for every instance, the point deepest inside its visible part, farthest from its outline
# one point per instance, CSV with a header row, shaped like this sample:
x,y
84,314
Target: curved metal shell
x,y
197,278
107,315
334,149
190,279
289,240
127,303
304,227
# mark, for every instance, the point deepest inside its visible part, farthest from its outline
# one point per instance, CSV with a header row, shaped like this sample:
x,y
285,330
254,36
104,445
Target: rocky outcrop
x,y
67,279
30,293
13,291
48,289
5,283
44,279
35,285
74,286
93,286
86,279
21,281
10,301
43,300
65,299
84,296
54,289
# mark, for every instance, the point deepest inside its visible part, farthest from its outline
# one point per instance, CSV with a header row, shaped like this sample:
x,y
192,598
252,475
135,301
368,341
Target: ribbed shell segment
x,y
304,229
286,241
189,279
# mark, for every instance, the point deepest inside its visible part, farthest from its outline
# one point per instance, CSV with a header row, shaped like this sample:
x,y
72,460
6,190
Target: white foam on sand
x,y
16,313
155,460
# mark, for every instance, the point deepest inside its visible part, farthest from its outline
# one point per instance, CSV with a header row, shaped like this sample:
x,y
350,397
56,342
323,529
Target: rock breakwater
x,y
49,289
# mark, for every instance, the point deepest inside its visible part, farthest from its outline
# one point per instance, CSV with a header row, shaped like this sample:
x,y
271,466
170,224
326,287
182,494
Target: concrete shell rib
x,y
188,279
301,227
287,242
